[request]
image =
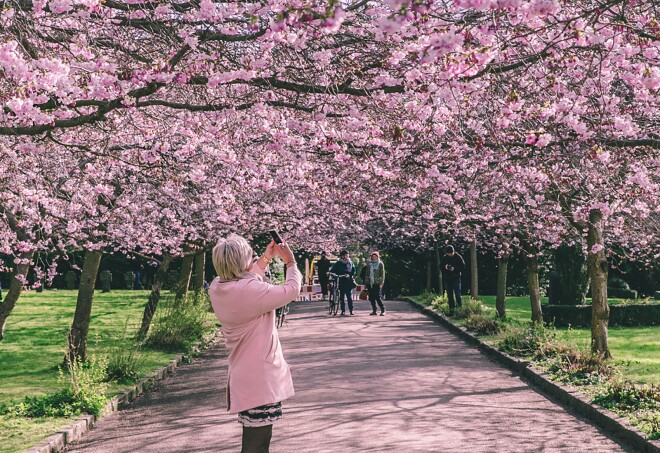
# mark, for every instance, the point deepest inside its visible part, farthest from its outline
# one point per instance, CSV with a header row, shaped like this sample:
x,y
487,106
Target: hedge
x,y
620,315
657,295
621,293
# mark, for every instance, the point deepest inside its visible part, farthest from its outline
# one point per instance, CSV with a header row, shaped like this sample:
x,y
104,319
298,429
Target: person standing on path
x,y
259,378
452,265
375,277
346,270
323,267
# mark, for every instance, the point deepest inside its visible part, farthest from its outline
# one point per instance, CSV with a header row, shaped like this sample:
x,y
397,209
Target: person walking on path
x,y
259,378
323,267
452,265
346,270
375,277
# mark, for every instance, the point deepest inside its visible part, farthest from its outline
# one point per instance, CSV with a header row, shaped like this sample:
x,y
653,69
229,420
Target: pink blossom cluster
x,y
134,127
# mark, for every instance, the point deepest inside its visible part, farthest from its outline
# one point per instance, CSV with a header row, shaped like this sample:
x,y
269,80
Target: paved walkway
x,y
399,383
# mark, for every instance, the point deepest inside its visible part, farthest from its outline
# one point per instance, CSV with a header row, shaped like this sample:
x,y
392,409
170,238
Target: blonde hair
x,y
232,257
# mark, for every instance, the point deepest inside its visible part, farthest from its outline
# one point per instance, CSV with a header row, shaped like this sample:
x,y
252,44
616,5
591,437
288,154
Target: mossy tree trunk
x,y
598,269
200,266
80,326
429,275
22,267
154,297
441,288
500,301
534,290
184,278
474,271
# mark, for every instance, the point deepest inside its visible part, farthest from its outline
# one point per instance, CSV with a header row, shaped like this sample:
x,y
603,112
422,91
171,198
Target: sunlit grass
x,y
636,349
35,344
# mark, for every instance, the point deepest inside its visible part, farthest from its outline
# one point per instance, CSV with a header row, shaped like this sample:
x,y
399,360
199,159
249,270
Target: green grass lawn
x,y
635,349
35,344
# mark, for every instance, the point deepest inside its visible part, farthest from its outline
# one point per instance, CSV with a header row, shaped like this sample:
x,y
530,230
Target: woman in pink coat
x,y
259,378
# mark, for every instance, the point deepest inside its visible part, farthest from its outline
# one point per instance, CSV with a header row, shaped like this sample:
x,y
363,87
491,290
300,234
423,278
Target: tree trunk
x,y
80,326
184,278
154,297
474,271
500,301
200,266
598,269
534,293
428,275
439,270
15,289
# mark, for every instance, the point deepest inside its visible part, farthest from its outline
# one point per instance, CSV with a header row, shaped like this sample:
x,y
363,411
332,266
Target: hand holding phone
x,y
276,236
284,252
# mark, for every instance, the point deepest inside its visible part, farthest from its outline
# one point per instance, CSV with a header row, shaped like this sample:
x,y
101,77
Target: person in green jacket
x,y
375,278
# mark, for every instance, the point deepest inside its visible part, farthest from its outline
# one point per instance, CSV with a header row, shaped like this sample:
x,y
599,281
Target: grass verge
x,y
35,345
635,350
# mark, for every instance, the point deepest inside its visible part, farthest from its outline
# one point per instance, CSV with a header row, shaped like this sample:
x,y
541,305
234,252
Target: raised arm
x,y
259,267
275,296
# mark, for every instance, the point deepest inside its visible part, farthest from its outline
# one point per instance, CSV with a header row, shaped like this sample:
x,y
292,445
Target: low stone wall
x,y
628,315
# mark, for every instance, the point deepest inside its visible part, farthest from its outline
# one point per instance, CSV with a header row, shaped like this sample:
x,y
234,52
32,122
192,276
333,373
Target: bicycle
x,y
333,294
280,315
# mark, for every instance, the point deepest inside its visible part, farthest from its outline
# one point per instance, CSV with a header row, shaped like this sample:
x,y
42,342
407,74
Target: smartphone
x,y
276,236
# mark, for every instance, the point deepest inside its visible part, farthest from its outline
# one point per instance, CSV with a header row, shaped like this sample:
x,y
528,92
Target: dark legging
x,y
374,297
257,440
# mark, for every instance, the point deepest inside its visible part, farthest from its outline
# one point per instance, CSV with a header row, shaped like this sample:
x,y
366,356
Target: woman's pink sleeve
x,y
271,297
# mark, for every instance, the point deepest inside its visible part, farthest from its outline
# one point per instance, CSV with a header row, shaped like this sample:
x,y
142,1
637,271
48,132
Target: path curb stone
x,y
568,397
73,432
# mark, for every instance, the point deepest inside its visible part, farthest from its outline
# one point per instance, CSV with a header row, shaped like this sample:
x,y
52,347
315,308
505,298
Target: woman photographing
x,y
259,378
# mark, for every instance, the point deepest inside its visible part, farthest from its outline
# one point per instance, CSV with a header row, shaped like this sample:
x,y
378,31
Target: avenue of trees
x,y
151,128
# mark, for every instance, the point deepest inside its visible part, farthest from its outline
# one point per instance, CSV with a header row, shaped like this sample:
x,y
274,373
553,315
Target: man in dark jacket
x,y
452,265
346,270
323,267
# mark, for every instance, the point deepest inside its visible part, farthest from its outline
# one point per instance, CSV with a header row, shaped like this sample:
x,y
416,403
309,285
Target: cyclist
x,y
346,270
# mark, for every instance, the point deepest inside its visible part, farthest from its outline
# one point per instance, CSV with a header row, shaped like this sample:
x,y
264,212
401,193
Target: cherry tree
x,y
429,104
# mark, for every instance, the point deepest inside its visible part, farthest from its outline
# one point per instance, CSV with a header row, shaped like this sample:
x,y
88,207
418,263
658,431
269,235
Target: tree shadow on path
x,y
398,383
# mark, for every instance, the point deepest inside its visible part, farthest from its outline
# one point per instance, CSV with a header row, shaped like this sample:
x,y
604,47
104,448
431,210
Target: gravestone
x,y
106,281
70,278
129,279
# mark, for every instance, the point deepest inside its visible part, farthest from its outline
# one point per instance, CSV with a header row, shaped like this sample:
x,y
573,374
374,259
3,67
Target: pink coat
x,y
258,373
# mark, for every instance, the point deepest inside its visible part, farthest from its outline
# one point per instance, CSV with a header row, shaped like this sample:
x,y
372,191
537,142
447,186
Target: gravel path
x,y
399,383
